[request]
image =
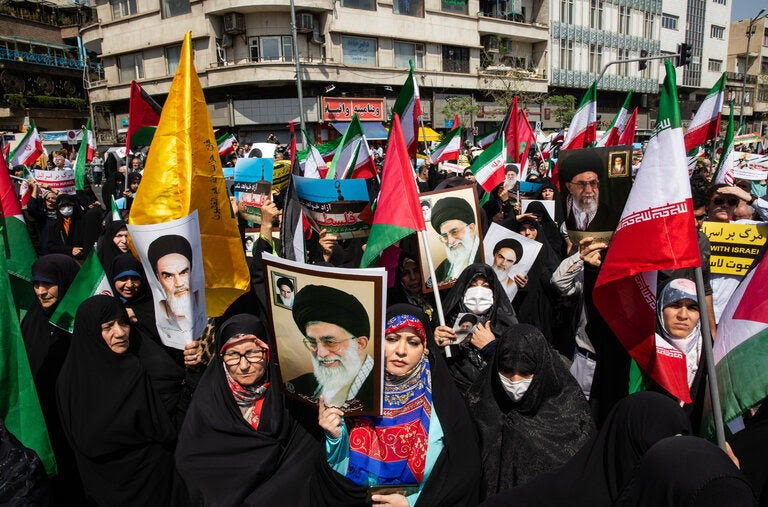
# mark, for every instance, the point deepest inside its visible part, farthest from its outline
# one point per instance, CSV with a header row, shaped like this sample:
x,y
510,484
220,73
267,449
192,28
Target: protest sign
x,y
327,320
750,166
281,175
509,254
262,150
341,207
733,247
60,181
548,205
253,186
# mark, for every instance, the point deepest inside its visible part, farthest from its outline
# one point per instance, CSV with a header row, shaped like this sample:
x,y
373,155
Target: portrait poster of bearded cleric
x,y
329,339
593,190
454,232
172,257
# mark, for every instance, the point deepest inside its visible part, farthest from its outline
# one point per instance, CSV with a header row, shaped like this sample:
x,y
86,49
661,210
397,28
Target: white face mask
x,y
66,211
515,390
478,300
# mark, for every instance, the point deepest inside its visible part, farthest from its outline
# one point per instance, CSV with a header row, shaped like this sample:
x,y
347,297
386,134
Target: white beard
x,y
501,274
287,301
460,257
333,379
180,306
588,206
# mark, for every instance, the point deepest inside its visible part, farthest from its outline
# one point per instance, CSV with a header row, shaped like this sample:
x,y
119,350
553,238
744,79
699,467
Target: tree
x,y
564,108
464,105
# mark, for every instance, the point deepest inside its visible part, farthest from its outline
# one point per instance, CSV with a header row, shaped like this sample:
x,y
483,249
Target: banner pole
x,y
438,301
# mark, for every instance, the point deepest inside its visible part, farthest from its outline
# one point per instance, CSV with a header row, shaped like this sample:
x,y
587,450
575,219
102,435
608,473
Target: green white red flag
x,y
449,148
656,231
353,158
619,123
488,167
91,280
487,139
408,108
583,129
706,122
86,147
628,135
28,150
726,164
226,144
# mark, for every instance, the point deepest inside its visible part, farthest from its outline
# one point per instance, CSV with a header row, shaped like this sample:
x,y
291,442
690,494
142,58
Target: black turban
x,y
512,244
468,317
451,208
284,281
579,161
164,245
318,303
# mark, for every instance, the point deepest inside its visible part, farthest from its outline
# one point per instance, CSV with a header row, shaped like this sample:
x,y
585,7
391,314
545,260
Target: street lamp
x,y
746,64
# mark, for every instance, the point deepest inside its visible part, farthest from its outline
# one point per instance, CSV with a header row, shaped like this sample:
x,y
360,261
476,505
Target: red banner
x,y
342,109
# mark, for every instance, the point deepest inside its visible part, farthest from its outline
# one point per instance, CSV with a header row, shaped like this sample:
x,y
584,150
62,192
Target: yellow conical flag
x,y
182,174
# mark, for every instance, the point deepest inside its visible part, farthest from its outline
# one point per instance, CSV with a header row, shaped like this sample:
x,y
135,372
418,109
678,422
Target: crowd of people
x,y
536,407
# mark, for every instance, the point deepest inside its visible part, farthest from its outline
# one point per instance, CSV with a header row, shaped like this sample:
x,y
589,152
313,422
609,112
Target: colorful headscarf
x,y
250,396
392,449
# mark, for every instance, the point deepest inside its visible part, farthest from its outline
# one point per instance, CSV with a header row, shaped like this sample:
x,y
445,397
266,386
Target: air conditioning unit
x,y
234,23
305,22
226,41
490,43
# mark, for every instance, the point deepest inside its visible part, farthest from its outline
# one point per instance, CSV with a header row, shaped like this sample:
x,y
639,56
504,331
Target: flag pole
x,y
438,301
706,338
424,133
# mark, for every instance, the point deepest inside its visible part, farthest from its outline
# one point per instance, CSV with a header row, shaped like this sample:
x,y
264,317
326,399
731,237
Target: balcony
x,y
220,7
739,76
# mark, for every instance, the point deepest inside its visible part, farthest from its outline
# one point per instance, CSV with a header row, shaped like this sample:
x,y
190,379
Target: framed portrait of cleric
x,y
251,235
454,232
172,257
509,254
594,186
328,325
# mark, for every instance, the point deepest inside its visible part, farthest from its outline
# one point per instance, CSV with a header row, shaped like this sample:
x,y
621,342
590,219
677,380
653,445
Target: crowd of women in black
x,y
502,421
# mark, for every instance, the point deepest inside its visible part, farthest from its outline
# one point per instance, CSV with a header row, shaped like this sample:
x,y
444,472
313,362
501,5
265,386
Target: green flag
x,y
89,281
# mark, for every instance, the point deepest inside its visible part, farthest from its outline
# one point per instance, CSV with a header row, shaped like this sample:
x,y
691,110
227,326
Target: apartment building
x,y
349,50
755,64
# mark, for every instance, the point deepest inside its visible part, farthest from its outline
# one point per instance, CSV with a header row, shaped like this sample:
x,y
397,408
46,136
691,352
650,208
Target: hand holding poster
x,y
328,325
509,254
733,247
173,260
253,186
341,207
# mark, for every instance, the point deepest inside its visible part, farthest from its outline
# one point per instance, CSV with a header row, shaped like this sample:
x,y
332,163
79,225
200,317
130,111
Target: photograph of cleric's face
x,y
286,290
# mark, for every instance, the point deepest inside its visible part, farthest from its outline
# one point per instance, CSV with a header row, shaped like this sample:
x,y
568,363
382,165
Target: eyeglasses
x,y
233,358
719,201
454,233
329,344
584,184
701,217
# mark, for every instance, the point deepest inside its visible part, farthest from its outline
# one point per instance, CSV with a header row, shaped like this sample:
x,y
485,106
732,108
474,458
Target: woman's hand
x,y
482,335
329,418
521,280
327,242
444,335
591,252
395,500
193,354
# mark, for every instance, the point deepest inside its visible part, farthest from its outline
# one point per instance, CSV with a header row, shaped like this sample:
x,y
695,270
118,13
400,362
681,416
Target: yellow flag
x,y
182,174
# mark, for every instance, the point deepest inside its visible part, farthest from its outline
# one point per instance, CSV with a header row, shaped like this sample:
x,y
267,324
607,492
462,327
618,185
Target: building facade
x,y
756,68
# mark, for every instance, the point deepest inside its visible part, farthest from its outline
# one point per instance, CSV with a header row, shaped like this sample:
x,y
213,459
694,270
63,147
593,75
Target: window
x,y
669,22
648,24
122,8
359,51
360,4
765,37
715,65
717,32
172,55
596,14
458,6
409,7
764,65
624,14
455,59
566,54
762,94
172,8
405,51
622,67
566,11
595,58
271,49
721,2
130,67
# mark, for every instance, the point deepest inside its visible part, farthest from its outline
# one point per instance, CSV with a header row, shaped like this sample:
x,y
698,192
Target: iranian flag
x,y
725,166
114,210
488,167
398,209
314,166
143,117
29,148
86,147
706,123
549,149
583,129
352,158
628,134
408,108
741,347
487,139
449,148
619,123
89,281
327,150
226,144
656,231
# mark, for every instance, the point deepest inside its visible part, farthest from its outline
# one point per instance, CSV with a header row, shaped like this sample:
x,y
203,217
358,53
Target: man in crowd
x,y
454,220
336,331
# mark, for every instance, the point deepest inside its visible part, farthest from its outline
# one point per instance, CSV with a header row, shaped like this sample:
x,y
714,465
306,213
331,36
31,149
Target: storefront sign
x,y
342,109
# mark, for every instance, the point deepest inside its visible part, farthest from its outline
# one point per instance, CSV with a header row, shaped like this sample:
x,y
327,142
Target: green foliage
x,y
564,108
464,106
21,101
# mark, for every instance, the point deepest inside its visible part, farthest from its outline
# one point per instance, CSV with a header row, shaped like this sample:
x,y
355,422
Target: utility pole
x,y
299,89
746,65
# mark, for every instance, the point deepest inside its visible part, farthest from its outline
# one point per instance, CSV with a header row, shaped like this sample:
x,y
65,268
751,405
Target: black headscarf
x,y
115,411
456,473
544,429
224,460
595,476
749,445
687,471
106,248
549,228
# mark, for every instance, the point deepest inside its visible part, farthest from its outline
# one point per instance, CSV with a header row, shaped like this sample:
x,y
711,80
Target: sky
x,y
745,9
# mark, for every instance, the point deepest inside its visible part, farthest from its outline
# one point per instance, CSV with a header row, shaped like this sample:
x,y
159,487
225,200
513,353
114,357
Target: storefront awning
x,y
431,135
373,130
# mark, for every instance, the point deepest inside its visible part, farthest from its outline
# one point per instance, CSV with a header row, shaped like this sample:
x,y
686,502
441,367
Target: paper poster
x,y
341,207
329,325
750,166
509,254
262,150
60,181
173,261
253,186
733,247
548,205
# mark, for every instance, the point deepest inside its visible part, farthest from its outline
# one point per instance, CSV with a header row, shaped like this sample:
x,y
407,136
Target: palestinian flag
x,y
352,158
509,127
525,138
726,164
656,231
628,135
86,147
741,347
456,122
706,123
114,210
408,108
398,209
226,144
619,123
143,117
583,129
551,148
89,281
449,148
28,150
488,167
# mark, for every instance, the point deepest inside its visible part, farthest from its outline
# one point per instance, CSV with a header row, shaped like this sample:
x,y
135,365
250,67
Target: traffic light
x,y
684,50
642,65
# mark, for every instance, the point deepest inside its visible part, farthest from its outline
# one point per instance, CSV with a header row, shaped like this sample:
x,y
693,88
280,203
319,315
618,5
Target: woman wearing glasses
x,y
241,442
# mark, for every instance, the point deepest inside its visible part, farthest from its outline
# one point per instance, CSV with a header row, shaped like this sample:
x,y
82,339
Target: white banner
x,y
750,166
60,181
